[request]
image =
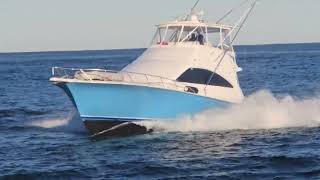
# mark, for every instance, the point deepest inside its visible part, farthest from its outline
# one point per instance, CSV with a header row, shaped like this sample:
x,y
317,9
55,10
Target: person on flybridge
x,y
198,38
193,37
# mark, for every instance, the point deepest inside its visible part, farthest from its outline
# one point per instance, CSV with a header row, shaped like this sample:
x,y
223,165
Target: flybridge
x,y
186,32
193,29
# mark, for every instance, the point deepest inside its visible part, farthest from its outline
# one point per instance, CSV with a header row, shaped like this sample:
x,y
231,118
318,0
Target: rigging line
x,y
225,51
239,23
215,69
230,11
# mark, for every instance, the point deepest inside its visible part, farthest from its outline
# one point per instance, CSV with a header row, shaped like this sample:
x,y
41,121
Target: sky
x,y
57,25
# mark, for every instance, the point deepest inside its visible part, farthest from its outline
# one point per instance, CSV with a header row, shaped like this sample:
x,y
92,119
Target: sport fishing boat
x,y
189,67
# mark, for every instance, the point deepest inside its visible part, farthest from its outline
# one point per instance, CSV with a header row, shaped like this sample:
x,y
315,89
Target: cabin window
x,y
201,76
167,35
175,34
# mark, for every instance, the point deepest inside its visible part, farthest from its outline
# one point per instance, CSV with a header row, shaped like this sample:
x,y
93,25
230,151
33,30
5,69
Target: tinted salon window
x,y
201,76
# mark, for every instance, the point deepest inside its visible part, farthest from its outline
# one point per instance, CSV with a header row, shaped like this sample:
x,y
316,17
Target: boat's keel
x,y
104,130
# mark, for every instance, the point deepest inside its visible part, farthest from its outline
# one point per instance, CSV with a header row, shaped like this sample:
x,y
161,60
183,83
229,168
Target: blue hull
x,y
110,102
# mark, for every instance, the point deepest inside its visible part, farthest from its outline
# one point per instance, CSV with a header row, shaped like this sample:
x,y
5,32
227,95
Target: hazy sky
x,y
45,25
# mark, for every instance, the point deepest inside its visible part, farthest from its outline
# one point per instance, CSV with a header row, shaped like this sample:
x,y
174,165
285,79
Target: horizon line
x,y
136,48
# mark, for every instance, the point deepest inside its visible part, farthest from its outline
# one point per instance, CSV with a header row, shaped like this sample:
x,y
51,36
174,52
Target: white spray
x,y
71,122
259,111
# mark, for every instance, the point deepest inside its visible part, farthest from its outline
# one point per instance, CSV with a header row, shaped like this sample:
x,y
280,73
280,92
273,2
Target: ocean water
x,y
274,134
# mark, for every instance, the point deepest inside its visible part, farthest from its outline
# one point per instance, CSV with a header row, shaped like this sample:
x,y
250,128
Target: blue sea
x,y
274,134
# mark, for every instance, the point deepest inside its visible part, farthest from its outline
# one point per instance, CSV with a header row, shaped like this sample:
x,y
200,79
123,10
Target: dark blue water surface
x,y
64,151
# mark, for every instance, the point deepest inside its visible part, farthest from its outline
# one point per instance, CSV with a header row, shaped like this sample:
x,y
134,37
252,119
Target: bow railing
x,y
116,76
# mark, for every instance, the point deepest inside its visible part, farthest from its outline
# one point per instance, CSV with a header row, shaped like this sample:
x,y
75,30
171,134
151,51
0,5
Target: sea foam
x,y
70,122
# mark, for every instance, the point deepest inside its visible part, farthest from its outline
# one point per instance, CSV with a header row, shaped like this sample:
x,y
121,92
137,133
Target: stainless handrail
x,y
56,72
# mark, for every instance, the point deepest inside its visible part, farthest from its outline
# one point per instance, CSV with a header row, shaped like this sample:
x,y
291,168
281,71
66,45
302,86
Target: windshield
x,y
200,35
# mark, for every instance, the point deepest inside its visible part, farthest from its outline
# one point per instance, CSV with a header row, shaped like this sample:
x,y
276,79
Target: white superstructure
x,y
195,54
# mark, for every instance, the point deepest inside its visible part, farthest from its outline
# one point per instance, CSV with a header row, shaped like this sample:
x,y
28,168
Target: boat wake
x,y
261,110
